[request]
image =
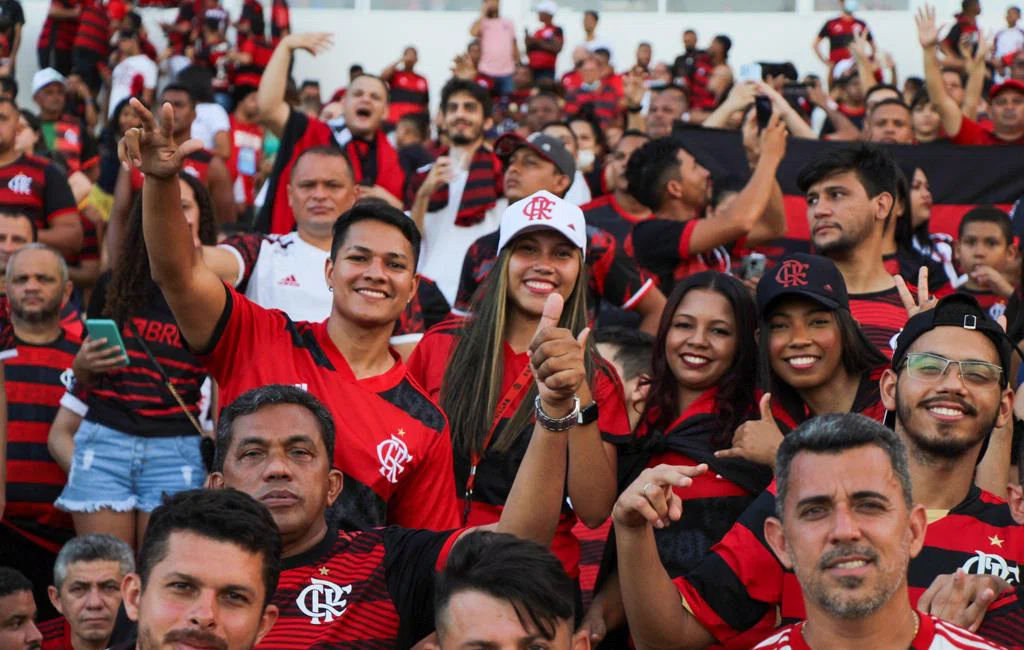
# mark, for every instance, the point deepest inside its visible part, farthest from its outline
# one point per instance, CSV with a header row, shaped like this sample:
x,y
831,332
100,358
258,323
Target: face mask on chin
x,y
585,158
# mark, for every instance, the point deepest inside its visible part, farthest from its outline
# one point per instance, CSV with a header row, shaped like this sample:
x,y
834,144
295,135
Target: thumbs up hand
x,y
756,440
556,357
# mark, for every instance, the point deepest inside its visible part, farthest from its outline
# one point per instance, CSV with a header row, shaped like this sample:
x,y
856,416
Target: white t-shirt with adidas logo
x,y
288,275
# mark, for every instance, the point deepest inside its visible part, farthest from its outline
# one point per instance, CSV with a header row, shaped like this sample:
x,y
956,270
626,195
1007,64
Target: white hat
x,y
45,77
542,211
546,7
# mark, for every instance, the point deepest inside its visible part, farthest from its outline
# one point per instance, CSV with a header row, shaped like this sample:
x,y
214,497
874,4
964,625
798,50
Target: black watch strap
x,y
588,415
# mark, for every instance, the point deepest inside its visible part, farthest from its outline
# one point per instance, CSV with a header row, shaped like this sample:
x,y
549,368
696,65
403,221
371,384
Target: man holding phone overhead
x,y
33,530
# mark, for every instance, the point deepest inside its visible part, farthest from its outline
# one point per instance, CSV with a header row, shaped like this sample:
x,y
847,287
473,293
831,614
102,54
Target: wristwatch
x,y
558,425
588,415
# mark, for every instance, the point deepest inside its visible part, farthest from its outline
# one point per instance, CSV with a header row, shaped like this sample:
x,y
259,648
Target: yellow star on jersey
x,y
995,541
324,570
401,432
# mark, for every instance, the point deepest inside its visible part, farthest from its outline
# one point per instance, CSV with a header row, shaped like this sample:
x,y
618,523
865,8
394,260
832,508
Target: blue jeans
x,y
113,470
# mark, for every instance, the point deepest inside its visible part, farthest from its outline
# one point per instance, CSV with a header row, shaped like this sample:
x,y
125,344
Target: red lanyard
x,y
524,379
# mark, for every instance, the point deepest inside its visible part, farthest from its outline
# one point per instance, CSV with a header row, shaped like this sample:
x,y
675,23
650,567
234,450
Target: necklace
x,y
917,627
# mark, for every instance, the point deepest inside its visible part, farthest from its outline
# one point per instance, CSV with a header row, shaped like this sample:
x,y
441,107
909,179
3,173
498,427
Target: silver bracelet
x,y
560,424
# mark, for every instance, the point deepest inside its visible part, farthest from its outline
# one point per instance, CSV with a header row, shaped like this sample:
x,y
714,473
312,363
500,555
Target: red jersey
x,y
497,471
867,401
603,96
73,140
196,165
36,186
372,589
572,81
605,213
840,33
662,248
734,592
408,93
60,34
35,380
394,449
93,29
260,50
542,59
972,133
881,316
280,20
56,634
932,634
246,155
701,97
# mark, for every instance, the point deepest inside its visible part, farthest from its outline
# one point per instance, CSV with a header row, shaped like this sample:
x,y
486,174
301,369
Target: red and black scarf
x,y
376,163
483,187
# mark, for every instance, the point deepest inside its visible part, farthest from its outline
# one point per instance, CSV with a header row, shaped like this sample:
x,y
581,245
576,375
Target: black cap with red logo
x,y
799,274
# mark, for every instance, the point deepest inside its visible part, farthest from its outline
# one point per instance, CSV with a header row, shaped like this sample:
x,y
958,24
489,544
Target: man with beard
x,y
846,524
948,389
850,196
33,530
182,599
359,133
459,198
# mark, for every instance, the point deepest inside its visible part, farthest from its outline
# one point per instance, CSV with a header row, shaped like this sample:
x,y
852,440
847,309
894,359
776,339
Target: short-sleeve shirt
x,y
11,15
606,213
372,589
408,93
933,633
735,591
129,78
840,33
38,187
972,133
394,449
497,36
538,58
497,471
662,247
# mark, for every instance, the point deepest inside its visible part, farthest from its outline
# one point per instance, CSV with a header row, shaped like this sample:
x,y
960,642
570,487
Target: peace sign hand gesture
x,y
924,301
151,149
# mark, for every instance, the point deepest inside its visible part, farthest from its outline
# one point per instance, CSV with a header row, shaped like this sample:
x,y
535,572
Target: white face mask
x,y
585,158
850,6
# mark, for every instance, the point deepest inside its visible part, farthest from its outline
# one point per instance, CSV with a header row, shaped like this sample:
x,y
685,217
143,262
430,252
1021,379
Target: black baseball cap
x,y
800,274
955,310
547,147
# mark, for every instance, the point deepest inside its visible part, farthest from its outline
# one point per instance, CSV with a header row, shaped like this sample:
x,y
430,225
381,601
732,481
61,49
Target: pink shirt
x,y
497,36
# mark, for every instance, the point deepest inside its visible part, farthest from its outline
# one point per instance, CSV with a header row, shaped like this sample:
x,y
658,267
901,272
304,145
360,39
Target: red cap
x,y
1009,84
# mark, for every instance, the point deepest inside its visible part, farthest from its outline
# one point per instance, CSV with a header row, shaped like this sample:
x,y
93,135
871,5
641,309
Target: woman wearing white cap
x,y
493,372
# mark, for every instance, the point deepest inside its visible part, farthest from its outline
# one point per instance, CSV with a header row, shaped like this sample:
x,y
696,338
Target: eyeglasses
x,y
932,367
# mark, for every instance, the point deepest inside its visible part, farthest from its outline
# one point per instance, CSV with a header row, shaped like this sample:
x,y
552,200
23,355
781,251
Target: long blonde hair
x,y
472,382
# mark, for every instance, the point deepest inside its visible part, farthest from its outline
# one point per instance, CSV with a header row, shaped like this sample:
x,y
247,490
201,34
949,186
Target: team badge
x,y
393,455
323,601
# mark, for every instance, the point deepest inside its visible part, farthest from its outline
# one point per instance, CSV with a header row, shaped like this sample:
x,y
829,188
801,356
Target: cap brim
x,y
803,293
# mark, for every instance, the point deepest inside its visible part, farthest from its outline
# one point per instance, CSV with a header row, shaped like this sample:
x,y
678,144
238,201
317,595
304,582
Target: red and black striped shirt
x,y
662,247
881,315
56,634
35,381
71,139
604,98
90,244
360,590
59,33
134,398
280,20
260,50
93,28
497,471
408,93
735,590
36,186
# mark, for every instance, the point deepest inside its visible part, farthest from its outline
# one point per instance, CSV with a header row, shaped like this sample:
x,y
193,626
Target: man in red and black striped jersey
x,y
408,90
33,530
847,525
541,162
397,448
840,32
203,164
543,46
64,133
86,590
37,187
338,588
358,132
678,240
944,414
57,36
850,197
91,46
280,21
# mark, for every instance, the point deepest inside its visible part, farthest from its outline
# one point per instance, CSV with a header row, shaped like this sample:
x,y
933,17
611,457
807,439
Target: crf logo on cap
x,y
538,208
792,274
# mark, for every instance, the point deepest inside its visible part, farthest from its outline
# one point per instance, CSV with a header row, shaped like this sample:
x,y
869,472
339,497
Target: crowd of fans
x,y
290,370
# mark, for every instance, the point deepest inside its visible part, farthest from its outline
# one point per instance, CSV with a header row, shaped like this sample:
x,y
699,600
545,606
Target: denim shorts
x,y
117,471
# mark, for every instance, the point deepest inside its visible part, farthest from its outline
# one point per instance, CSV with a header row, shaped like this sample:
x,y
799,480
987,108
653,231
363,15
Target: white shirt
x,y
125,73
579,191
445,244
1009,40
210,120
288,275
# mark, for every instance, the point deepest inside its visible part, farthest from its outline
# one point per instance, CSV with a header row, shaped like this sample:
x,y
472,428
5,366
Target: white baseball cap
x,y
546,7
45,77
543,211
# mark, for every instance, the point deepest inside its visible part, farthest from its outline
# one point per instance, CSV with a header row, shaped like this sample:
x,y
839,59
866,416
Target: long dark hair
x,y
908,237
859,355
131,283
471,388
736,399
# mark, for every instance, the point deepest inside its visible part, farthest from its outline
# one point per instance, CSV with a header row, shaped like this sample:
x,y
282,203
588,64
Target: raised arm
x,y
273,109
194,292
928,35
739,98
976,73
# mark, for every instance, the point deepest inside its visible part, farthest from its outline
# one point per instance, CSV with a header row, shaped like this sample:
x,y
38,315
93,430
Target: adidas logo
x,y
288,281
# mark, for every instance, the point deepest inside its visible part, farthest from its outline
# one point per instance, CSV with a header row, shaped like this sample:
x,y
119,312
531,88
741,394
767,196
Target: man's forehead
x,y
367,83
93,570
845,178
315,166
276,423
956,343
866,468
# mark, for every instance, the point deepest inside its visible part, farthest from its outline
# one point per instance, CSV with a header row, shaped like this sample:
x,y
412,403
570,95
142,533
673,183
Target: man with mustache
x,y
948,388
847,526
33,530
207,572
